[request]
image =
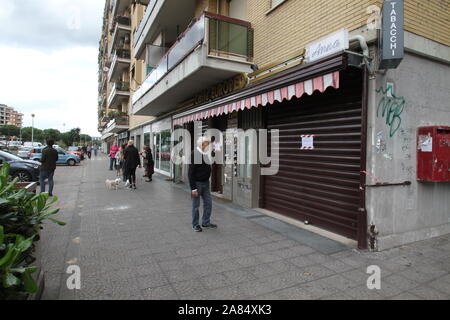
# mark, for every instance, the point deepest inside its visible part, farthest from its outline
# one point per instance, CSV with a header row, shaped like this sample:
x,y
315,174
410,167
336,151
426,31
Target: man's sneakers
x,y
209,226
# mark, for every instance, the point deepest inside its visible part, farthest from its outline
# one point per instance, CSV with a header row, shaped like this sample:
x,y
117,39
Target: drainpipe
x,y
365,48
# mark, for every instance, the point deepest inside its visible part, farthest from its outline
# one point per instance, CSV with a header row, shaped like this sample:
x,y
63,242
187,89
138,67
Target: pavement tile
x,y
363,293
318,289
400,282
442,284
239,276
227,293
339,282
295,293
423,273
337,266
428,293
301,261
160,293
153,280
187,289
406,296
215,281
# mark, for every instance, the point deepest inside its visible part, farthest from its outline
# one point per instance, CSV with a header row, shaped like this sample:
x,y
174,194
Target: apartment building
x,y
347,90
9,116
119,72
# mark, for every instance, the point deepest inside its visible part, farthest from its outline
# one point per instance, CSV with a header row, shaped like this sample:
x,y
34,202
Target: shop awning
x,y
297,90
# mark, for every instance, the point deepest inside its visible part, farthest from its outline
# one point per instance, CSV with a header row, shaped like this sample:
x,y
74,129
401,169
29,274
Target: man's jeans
x,y
43,175
203,191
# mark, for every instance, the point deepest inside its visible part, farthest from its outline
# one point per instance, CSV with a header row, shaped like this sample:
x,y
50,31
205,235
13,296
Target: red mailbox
x,y
433,154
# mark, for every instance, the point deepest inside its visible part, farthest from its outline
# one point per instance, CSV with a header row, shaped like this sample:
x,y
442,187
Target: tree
x,y
9,131
85,138
68,138
38,134
52,134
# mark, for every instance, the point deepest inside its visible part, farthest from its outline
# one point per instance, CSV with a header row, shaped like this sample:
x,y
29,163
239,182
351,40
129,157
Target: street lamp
x,y
32,129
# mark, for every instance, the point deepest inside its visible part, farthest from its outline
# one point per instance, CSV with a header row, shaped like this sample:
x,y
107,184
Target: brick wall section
x,y
296,23
429,19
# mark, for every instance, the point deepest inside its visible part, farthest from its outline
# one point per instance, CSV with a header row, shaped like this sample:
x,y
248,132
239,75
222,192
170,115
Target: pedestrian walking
x,y
112,156
89,151
48,167
148,162
84,150
119,163
131,162
199,175
95,150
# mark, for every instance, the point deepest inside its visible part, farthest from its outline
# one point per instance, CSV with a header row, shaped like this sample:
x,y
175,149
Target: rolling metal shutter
x,y
320,186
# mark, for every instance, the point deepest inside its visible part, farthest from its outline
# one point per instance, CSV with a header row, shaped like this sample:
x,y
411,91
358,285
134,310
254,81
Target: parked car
x,y
26,170
24,152
63,156
76,151
33,144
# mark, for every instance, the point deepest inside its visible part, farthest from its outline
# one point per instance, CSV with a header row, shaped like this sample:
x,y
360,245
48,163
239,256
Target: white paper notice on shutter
x,y
307,142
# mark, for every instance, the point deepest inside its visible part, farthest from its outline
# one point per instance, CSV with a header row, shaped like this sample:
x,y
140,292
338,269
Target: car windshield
x,y
9,156
73,148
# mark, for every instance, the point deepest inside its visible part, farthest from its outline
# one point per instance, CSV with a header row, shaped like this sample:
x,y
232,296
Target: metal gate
x,y
320,186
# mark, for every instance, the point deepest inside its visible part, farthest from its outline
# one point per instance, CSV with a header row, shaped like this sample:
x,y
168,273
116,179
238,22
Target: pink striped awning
x,y
286,93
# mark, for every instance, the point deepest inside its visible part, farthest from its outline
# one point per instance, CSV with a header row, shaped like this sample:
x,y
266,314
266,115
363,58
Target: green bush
x,y
21,217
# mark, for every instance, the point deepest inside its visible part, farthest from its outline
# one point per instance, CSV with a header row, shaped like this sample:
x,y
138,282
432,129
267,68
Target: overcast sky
x,y
48,61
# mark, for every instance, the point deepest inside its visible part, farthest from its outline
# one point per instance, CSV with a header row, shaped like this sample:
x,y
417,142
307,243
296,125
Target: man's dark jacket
x,y
131,158
198,172
49,158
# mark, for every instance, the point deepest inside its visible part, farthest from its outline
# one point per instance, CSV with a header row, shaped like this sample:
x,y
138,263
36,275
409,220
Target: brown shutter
x,y
321,185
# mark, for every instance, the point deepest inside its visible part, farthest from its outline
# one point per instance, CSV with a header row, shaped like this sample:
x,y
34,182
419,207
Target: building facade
x,y
119,72
9,116
348,126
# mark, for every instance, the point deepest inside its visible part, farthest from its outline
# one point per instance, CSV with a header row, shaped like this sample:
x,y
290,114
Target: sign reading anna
x,y
329,45
392,41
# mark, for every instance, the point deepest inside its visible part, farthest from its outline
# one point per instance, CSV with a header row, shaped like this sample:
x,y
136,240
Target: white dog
x,y
112,184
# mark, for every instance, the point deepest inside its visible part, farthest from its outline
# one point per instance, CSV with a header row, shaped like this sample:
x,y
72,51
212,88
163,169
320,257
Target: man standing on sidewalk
x,y
48,167
199,174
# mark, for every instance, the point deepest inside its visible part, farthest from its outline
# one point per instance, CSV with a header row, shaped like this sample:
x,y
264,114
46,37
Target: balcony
x,y
118,125
121,62
120,6
120,92
121,32
213,49
162,15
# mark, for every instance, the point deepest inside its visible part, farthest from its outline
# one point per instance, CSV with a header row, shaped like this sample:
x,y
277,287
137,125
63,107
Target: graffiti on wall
x,y
390,107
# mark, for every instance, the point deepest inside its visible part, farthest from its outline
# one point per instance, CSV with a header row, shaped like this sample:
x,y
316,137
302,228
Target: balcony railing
x,y
123,20
123,53
228,38
121,86
148,12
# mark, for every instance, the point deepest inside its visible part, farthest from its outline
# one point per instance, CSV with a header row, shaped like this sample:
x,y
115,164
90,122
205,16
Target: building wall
x,y
137,13
309,20
404,214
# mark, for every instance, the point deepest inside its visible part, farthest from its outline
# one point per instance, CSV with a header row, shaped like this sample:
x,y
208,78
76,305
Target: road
x,y
140,245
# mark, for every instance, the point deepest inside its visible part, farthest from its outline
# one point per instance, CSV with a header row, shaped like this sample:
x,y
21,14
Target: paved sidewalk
x,y
140,245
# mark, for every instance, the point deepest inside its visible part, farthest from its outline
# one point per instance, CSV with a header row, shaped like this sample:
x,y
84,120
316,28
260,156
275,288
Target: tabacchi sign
x,y
329,45
392,40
